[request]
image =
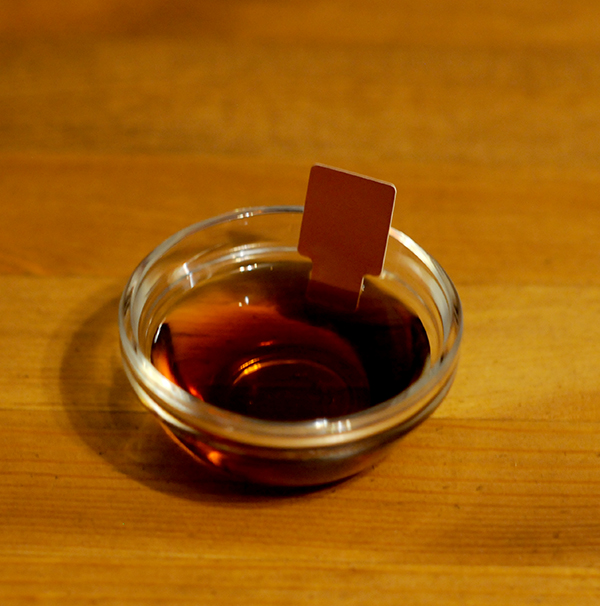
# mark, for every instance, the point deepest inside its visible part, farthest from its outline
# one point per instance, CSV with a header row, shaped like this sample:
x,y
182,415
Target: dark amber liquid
x,y
249,342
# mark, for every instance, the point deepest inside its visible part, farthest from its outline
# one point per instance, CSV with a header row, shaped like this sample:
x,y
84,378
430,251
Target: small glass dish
x,y
281,453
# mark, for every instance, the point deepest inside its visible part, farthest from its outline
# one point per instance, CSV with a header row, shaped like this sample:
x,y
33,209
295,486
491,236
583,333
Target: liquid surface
x,y
250,343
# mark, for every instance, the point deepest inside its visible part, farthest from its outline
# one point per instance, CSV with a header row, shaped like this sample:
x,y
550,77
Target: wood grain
x,y
514,106
486,226
439,22
122,122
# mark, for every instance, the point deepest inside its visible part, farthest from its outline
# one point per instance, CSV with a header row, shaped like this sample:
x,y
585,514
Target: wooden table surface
x,y
122,122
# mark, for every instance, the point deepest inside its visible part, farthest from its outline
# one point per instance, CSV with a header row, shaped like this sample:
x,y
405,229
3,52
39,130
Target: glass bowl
x,y
305,452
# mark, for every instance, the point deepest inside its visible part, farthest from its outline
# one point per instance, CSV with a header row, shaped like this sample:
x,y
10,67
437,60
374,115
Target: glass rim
x,y
181,409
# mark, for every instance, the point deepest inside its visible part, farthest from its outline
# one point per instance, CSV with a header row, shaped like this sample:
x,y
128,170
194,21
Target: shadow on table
x,y
107,415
